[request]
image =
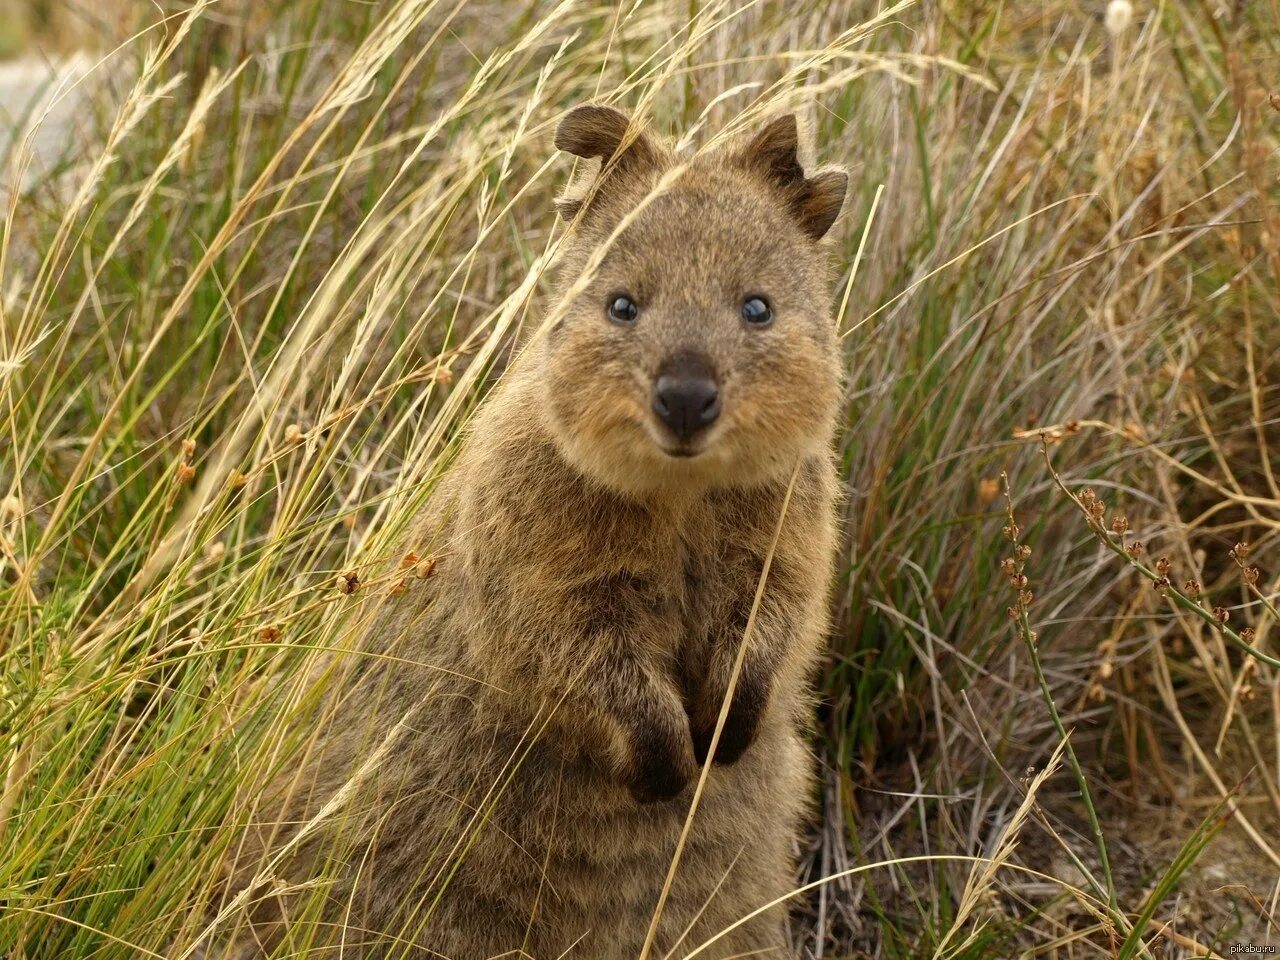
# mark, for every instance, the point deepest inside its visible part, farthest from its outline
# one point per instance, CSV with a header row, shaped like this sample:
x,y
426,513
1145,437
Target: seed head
x,y
1192,589
1240,552
1135,549
292,434
1250,575
348,583
1248,635
188,448
1011,531
1008,567
269,634
1118,17
1221,614
1022,553
425,569
186,472
1120,525
410,559
1162,566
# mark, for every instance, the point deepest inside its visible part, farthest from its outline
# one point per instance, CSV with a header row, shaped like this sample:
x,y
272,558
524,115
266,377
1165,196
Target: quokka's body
x,y
602,538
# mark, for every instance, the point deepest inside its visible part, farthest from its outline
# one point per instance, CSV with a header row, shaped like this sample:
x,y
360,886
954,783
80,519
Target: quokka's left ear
x,y
774,154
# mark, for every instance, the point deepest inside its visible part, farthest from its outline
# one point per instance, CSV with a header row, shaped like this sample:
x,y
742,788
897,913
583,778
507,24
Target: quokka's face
x,y
695,346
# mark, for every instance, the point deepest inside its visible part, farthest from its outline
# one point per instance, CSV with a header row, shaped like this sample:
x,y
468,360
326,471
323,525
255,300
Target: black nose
x,y
686,404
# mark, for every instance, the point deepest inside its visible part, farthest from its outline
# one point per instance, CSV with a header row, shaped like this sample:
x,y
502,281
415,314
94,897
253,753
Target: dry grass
x,y
239,338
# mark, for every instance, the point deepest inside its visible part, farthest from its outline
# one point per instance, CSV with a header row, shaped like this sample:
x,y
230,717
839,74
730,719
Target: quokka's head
x,y
693,346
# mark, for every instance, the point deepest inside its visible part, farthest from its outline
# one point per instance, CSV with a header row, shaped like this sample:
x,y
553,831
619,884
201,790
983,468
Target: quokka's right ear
x,y
774,155
593,131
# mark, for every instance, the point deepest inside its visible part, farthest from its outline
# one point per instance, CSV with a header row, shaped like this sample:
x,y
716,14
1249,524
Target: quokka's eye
x,y
756,311
622,309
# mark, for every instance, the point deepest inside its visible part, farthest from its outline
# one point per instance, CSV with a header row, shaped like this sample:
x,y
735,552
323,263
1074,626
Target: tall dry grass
x,y
240,340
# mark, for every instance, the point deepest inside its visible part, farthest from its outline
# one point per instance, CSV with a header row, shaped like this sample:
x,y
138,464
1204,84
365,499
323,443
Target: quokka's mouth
x,y
681,453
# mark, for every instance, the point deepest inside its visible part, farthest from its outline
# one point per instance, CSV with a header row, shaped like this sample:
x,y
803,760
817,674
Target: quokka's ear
x,y
593,131
774,154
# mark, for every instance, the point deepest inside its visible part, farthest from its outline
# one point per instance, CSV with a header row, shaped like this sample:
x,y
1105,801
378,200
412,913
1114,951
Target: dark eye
x,y
756,311
622,309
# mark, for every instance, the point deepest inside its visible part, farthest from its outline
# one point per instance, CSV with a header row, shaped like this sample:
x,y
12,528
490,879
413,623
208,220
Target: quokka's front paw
x,y
740,726
662,765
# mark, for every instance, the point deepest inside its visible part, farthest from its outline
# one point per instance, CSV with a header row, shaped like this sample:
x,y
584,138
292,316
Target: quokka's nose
x,y
688,404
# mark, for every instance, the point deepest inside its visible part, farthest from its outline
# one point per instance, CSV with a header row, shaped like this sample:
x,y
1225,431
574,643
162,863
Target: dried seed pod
x,y
1011,531
1135,549
236,480
186,472
1120,524
188,448
1192,589
348,583
1022,553
410,559
1248,635
1008,567
293,434
426,569
1250,575
1221,614
269,634
1019,581
399,587
1162,566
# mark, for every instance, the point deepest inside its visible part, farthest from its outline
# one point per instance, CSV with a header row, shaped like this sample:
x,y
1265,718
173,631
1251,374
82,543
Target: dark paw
x,y
740,727
661,769
738,734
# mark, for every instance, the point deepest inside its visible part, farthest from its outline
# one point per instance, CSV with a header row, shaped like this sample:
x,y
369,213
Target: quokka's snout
x,y
686,398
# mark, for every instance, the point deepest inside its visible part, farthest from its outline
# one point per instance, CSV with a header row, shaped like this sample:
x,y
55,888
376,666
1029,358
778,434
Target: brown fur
x,y
592,599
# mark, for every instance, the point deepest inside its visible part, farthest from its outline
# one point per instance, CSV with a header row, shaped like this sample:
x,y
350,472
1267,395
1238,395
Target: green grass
x,y
310,242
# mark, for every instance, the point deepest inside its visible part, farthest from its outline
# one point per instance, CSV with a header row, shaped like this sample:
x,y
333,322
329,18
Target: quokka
x,y
604,532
